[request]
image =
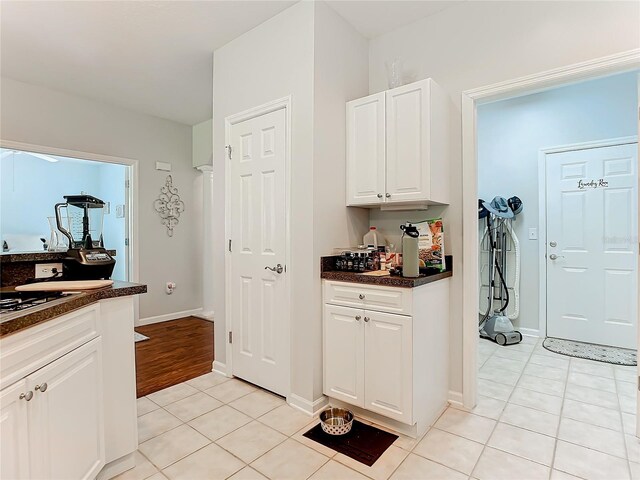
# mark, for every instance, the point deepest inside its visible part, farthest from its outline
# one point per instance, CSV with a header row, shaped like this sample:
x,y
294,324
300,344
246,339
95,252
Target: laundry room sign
x,y
600,183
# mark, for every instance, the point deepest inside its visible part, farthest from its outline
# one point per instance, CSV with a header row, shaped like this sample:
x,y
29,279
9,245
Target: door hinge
x,y
230,337
126,184
126,242
229,150
229,244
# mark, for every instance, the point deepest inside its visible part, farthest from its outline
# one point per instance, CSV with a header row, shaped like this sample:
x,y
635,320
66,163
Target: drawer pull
x,y
26,396
361,296
42,388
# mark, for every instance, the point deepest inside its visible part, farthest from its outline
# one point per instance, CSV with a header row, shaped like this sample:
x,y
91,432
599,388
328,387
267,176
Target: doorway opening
x,y
570,153
34,181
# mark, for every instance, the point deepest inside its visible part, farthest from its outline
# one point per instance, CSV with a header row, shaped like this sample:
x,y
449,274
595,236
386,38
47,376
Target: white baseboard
x,y
305,406
220,368
455,398
168,316
529,332
205,315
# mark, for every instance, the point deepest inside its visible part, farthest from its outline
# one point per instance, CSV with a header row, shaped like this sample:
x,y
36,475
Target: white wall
x,y
39,116
312,54
473,44
271,61
341,73
511,134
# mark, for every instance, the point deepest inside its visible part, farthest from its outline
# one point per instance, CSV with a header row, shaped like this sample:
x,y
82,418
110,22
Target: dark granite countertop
x,y
328,272
12,322
37,256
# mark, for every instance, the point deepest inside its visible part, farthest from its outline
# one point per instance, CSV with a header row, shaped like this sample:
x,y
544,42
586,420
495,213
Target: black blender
x,y
87,259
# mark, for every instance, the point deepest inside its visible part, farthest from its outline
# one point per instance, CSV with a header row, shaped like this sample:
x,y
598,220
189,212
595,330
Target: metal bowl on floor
x,y
336,421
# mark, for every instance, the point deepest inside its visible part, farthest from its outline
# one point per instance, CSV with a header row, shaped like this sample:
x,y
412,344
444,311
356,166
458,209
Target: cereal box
x,y
431,243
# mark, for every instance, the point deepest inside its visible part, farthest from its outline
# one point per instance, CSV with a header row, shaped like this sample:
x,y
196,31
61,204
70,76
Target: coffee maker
x,y
87,259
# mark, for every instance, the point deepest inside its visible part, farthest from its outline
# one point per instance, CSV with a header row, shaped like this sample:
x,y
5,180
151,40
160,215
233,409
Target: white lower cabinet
x,y
388,368
389,364
344,357
368,360
54,421
14,435
67,396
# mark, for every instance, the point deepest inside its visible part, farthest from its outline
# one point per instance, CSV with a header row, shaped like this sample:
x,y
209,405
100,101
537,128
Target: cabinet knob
x,y
361,296
366,319
358,317
379,195
42,387
388,195
26,396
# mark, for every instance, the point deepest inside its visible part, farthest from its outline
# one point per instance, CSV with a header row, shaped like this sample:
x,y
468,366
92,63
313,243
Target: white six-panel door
x,y
258,234
592,235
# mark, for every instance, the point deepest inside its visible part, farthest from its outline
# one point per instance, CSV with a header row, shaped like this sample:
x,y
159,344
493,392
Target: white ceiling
x,y
153,57
374,18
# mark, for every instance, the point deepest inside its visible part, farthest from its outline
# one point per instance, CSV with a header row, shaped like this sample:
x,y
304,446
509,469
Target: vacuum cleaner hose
x,y
506,289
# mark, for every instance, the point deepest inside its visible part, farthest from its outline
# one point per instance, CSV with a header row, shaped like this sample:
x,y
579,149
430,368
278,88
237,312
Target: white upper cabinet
x,y
398,147
366,150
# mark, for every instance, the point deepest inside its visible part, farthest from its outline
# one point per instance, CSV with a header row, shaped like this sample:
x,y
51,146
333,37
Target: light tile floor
x,y
539,415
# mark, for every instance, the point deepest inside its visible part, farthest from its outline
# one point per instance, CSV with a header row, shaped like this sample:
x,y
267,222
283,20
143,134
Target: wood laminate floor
x,y
177,350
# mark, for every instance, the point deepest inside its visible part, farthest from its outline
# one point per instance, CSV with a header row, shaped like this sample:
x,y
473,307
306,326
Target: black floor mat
x,y
363,443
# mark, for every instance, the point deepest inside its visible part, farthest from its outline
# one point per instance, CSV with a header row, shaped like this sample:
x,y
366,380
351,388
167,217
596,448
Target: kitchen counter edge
x,y
327,273
14,322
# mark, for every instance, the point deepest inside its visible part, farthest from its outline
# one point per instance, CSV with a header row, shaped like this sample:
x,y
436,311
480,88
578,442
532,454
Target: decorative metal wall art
x,y
169,206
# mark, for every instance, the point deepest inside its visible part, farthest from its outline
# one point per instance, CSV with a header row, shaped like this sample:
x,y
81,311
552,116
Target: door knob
x,y
361,296
388,195
553,256
278,268
553,244
42,387
366,319
379,195
27,396
358,317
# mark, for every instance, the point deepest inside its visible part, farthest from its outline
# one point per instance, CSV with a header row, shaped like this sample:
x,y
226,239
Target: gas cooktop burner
x,y
16,301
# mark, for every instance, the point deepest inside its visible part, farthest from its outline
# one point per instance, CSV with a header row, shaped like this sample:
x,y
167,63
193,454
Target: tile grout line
x,y
485,445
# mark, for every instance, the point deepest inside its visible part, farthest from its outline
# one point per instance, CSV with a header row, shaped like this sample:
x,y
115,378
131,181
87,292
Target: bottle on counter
x,y
410,260
362,263
373,238
349,262
370,263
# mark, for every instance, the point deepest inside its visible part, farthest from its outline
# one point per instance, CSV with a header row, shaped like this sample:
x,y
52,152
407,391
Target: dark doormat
x,y
363,443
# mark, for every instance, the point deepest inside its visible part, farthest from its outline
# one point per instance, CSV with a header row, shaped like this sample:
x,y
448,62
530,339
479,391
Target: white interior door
x,y
258,234
592,235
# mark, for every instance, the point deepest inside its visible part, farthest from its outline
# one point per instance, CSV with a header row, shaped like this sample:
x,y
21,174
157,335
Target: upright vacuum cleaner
x,y
499,239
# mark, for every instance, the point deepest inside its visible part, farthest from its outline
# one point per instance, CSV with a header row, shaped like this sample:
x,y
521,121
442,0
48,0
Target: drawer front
x,y
35,347
382,299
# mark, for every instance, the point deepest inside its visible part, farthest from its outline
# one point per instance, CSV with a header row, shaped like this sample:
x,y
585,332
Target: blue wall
x,y
30,187
511,134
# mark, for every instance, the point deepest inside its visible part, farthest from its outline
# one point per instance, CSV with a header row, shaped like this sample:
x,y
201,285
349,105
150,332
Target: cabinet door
x,y
388,371
66,420
366,150
343,345
14,443
407,123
